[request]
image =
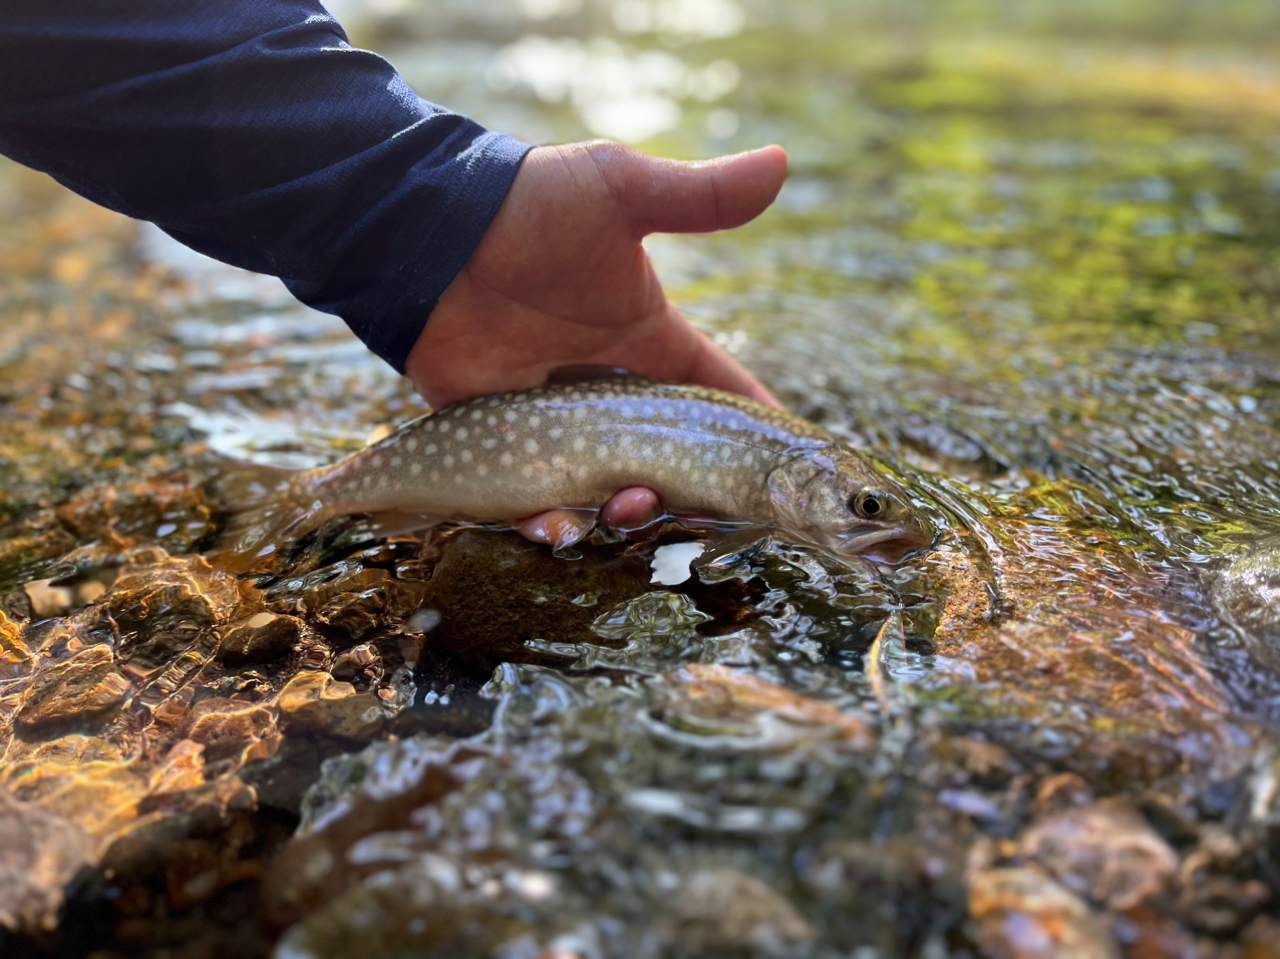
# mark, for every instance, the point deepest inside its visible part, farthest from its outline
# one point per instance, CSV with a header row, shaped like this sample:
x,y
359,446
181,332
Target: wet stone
x,y
724,910
174,513
262,638
366,601
46,599
1246,594
1262,939
1105,852
140,610
238,731
715,700
495,594
15,658
1216,889
968,599
1021,913
40,851
23,555
314,700
80,689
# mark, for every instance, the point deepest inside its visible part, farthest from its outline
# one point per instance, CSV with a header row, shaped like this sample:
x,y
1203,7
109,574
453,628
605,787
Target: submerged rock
x,y
1021,913
1105,852
78,690
314,700
40,851
715,700
261,638
723,910
1246,594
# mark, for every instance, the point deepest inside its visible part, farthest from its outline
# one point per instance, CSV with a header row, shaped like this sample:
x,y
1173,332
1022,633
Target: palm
x,y
561,277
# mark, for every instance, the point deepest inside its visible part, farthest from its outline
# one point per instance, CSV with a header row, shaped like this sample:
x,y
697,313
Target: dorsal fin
x,y
587,372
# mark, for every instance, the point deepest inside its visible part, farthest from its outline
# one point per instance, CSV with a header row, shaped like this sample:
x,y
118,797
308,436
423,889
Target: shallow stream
x,y
1027,257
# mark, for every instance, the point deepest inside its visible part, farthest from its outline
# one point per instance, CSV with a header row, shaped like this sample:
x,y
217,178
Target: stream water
x,y
1027,258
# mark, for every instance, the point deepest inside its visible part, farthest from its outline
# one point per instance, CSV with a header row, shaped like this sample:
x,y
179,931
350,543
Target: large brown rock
x,y
39,853
84,686
314,700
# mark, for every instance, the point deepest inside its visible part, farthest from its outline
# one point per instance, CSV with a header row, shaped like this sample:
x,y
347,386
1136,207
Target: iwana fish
x,y
572,445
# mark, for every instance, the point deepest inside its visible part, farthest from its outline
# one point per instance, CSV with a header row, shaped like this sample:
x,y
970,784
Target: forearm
x,y
251,131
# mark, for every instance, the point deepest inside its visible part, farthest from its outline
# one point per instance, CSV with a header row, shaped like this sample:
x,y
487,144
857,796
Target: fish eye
x,y
869,503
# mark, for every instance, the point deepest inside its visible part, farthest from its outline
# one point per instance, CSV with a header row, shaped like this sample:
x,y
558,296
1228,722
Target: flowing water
x,y
1027,258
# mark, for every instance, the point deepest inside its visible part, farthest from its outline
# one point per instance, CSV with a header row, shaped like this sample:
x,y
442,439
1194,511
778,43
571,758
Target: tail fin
x,y
269,507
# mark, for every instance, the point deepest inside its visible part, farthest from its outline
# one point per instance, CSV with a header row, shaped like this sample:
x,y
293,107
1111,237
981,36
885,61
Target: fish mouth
x,y
903,542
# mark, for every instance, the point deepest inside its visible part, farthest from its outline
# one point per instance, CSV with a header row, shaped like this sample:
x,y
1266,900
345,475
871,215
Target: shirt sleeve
x,y
252,131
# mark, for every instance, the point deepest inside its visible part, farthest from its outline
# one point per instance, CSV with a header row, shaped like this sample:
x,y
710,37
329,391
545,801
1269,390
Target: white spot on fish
x,y
580,412
415,469
685,464
428,425
444,426
411,444
482,470
397,461
531,445
492,420
488,443
461,433
579,444
526,471
493,403
467,456
506,459
431,449
535,421
668,448
555,432
448,462
477,414
558,461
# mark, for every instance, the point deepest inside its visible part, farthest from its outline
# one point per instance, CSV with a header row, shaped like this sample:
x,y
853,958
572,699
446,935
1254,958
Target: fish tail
x,y
270,507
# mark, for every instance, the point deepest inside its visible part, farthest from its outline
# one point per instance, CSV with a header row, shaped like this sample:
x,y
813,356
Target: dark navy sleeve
x,y
251,130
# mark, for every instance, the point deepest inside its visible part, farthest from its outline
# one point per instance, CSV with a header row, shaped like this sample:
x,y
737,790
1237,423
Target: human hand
x,y
561,278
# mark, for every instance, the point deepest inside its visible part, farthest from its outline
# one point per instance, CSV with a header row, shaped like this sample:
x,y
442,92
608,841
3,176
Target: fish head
x,y
836,500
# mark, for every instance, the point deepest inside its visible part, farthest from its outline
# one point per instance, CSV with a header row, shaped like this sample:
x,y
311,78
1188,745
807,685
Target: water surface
x,y
1026,258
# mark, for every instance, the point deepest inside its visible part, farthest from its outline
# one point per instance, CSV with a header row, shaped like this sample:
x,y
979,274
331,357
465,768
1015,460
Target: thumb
x,y
672,196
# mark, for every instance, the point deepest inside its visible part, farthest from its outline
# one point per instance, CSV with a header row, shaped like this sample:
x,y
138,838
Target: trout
x,y
572,445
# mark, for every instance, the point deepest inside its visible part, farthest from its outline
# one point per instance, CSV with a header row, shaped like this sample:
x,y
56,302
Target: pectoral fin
x,y
725,548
